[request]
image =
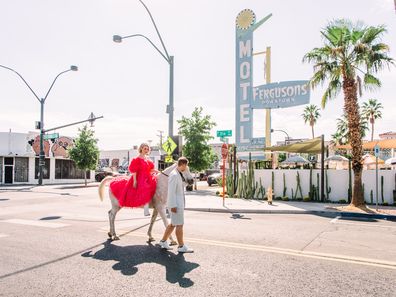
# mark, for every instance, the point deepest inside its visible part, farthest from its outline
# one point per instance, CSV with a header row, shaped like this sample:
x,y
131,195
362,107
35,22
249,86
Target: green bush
x,y
306,199
278,198
342,201
385,204
299,199
284,198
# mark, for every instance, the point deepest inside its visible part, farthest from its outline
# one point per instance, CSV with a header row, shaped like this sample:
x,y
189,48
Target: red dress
x,y
122,187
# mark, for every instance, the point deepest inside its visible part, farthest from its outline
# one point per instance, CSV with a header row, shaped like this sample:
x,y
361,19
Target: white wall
x,y
338,181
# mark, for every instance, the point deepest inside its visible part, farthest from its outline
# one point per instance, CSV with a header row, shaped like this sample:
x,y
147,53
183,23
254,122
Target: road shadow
x,y
200,193
128,259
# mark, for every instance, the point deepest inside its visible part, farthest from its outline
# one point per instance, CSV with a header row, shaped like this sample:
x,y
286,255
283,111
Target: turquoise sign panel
x,y
280,95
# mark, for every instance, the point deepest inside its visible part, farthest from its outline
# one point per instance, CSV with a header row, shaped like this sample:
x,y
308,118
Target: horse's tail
x,y
102,186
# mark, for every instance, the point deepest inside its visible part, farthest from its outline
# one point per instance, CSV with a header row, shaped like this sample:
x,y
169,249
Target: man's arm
x,y
172,186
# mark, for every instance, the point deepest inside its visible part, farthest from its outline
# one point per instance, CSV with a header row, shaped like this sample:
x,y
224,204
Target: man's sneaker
x,y
164,245
185,249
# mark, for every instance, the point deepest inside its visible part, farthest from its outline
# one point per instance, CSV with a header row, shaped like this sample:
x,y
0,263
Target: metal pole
x,y
42,153
376,182
170,106
268,111
322,169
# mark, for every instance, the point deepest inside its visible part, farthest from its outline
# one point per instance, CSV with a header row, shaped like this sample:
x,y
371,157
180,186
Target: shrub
x,y
285,198
385,204
342,201
299,199
306,199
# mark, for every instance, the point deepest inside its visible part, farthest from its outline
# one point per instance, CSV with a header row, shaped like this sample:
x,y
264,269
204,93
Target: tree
x,y
311,115
342,133
85,152
372,111
196,131
350,49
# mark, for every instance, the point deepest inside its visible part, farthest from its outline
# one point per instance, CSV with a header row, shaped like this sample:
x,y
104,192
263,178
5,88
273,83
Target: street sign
x,y
376,151
224,139
169,146
168,159
51,136
224,151
224,133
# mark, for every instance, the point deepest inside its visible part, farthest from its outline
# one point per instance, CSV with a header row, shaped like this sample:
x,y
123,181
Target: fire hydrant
x,y
269,195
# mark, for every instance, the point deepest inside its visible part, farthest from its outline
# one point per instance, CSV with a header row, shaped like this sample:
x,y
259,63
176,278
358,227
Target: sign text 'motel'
x,y
247,97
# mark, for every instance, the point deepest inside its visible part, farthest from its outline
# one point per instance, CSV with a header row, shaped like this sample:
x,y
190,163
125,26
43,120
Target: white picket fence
x,y
337,179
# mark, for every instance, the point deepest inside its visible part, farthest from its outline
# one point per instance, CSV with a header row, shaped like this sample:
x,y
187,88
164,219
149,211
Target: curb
x,y
313,212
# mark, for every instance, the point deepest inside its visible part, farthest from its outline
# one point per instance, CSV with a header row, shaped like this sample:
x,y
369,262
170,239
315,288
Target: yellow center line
x,y
290,252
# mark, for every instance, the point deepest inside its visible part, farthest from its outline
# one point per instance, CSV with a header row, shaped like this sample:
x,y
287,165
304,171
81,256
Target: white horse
x,y
158,202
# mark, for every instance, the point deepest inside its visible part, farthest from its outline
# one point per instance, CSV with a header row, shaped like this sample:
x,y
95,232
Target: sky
x,y
128,83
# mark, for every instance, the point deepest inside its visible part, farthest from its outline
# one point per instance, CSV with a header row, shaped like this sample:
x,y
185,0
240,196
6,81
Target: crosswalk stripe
x,y
3,235
34,223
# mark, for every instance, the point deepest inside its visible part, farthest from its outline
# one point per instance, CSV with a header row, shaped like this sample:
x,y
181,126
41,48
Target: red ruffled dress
x,y
122,187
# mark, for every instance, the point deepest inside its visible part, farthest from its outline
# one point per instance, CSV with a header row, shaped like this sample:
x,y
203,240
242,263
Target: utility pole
x,y
160,136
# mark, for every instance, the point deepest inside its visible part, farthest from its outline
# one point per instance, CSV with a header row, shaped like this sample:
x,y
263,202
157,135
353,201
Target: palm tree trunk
x,y
372,130
313,134
352,111
85,177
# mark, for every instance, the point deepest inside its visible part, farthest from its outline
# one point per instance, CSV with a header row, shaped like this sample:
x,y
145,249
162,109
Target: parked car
x,y
212,179
100,175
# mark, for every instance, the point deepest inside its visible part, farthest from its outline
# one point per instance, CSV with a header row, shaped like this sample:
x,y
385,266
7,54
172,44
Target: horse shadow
x,y
129,257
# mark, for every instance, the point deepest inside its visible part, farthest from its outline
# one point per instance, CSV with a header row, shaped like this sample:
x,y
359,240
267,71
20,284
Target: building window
x,y
46,169
21,169
66,169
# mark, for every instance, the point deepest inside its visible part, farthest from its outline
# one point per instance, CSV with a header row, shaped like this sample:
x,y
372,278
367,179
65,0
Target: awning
x,y
312,146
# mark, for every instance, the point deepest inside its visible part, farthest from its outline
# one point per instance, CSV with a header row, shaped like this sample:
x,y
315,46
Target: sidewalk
x,y
207,201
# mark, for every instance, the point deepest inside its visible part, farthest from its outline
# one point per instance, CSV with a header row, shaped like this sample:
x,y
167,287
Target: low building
x,y
19,159
387,135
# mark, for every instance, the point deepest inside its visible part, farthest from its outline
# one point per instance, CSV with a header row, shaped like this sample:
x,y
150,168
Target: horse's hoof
x,y
115,237
109,234
173,242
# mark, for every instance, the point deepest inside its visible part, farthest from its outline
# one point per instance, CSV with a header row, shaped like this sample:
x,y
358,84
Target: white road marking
x,y
335,219
3,235
34,223
290,252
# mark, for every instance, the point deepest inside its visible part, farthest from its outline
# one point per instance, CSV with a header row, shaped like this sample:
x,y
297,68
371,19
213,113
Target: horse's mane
x,y
168,170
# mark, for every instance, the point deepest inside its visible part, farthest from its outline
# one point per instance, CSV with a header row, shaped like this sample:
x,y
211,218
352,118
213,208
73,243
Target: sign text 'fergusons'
x,y
283,94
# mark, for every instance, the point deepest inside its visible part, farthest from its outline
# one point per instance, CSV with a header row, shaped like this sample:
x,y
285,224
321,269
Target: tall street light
x,y
41,126
165,55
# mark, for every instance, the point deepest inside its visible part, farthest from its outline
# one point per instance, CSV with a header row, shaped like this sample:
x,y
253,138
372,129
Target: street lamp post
x,y
287,135
165,55
41,126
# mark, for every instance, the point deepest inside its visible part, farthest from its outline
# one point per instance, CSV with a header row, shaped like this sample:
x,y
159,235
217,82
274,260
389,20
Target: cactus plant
x,y
350,182
298,188
382,189
371,197
284,185
317,188
273,183
328,189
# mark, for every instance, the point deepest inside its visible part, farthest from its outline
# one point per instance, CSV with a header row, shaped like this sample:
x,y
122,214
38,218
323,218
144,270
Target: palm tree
x,y
372,111
349,49
343,130
310,115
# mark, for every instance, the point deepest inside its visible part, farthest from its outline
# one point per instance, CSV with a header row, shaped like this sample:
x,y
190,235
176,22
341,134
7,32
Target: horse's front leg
x,y
162,212
112,215
152,221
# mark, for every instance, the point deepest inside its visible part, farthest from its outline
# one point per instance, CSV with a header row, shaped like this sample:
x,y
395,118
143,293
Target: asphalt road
x,y
53,242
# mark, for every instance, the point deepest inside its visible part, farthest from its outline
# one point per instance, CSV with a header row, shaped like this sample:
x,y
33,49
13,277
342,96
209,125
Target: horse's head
x,y
188,176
